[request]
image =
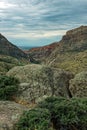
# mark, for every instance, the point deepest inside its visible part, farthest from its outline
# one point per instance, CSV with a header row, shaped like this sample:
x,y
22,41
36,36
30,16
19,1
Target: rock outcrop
x,y
78,85
7,48
75,40
39,81
9,114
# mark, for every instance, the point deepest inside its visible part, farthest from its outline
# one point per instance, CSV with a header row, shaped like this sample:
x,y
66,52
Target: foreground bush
x,y
8,87
67,113
35,119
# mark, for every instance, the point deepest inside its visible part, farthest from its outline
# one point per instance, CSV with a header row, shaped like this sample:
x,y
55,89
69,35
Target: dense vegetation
x,y
67,114
35,119
8,62
8,87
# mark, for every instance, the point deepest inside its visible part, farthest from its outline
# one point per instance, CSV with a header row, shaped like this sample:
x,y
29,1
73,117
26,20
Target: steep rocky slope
x,y
7,48
39,81
71,54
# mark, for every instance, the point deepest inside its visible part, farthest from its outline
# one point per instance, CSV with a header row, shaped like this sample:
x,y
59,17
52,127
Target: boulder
x,y
40,81
78,85
9,114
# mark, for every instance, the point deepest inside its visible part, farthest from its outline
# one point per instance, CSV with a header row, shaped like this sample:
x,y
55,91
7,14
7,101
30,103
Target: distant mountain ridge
x,y
26,47
7,48
39,53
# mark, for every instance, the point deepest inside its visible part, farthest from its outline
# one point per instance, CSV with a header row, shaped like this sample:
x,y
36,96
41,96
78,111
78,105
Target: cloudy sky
x,y
40,22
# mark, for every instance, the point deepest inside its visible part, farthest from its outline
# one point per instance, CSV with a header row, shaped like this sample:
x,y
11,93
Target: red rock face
x,y
7,48
42,52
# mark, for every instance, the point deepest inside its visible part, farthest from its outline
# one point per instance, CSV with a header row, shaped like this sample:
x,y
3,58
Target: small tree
x,y
8,87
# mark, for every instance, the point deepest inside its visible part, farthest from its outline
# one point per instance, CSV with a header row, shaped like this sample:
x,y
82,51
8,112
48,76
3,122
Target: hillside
x,y
8,62
71,54
7,48
10,55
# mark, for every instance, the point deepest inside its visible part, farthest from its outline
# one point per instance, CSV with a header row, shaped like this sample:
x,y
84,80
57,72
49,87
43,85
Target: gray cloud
x,y
35,19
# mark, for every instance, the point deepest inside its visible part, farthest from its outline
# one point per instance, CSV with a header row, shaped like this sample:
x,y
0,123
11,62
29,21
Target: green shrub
x,y
67,112
8,87
35,119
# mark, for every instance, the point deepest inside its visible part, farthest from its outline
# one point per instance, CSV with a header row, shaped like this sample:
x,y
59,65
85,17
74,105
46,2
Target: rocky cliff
x,y
71,54
75,40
